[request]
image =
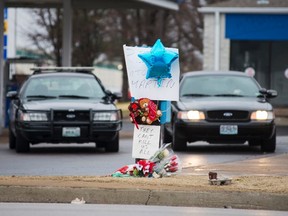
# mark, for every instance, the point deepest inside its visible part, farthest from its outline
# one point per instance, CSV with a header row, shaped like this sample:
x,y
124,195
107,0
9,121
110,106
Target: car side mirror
x,y
263,91
113,96
270,93
12,95
116,95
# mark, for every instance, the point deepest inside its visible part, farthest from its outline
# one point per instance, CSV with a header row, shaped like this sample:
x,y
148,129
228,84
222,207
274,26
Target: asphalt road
x,y
282,130
78,159
75,160
27,209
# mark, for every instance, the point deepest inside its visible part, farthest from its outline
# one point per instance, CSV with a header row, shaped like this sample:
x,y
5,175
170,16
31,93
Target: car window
x,y
59,86
219,85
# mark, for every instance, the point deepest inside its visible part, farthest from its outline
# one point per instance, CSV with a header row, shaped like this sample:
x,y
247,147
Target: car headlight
x,y
262,115
105,116
191,115
33,116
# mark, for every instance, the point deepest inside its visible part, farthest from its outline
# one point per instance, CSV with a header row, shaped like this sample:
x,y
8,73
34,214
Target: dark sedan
x,y
63,105
222,107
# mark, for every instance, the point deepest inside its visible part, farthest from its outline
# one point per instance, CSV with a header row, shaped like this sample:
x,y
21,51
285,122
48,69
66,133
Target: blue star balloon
x,y
158,61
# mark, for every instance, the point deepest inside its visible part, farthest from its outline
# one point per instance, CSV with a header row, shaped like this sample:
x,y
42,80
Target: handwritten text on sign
x,y
145,141
140,86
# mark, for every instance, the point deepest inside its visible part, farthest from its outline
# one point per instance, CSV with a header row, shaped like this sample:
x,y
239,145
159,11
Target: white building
x,y
249,35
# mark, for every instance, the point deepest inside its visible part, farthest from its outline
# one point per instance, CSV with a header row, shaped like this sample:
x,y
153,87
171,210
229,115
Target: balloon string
x,y
159,82
134,120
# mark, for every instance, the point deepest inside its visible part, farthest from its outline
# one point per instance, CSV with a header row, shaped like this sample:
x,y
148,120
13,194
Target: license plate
x,y
71,132
228,129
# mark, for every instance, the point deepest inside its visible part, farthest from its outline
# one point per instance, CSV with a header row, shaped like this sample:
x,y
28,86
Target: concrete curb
x,y
216,199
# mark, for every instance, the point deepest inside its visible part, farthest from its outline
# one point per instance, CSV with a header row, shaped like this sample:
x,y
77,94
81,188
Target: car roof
x,y
62,71
207,73
56,74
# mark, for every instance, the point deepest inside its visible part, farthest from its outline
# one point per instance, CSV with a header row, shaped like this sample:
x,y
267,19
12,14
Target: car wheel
x,y
12,139
269,145
178,143
167,137
22,145
113,145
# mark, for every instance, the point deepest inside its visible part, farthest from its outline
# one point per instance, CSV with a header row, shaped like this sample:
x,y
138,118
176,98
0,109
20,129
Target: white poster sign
x,y
146,141
140,87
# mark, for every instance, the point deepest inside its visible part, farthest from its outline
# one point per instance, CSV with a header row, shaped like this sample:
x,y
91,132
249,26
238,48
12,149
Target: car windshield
x,y
219,85
64,87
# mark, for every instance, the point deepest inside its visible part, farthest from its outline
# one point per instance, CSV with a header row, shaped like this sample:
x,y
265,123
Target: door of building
x,y
269,59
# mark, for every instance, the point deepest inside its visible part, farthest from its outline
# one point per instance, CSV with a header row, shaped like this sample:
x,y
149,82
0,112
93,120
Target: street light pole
x,y
2,89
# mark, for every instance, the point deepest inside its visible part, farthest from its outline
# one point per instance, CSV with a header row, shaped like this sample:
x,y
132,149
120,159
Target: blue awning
x,y
256,26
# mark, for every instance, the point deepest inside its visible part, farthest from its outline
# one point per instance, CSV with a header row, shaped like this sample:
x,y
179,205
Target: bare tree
x,y
88,41
48,37
189,24
105,31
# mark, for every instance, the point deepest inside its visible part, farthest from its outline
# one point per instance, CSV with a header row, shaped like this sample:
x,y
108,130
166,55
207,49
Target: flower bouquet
x,y
166,161
163,163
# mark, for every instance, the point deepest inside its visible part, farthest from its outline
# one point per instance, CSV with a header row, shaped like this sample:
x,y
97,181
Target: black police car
x,y
222,107
63,105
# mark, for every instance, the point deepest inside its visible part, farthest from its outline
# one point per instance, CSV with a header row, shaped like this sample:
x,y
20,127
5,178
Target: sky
x,y
19,22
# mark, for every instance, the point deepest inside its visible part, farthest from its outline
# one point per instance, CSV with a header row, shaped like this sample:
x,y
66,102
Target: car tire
x,y
167,137
269,145
178,143
12,139
113,145
22,145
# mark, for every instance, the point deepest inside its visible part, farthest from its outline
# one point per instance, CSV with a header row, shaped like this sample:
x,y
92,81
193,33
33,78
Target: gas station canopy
x,y
68,6
167,4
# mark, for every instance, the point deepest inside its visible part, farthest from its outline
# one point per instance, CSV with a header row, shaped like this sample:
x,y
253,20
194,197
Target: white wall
x,y
209,43
111,78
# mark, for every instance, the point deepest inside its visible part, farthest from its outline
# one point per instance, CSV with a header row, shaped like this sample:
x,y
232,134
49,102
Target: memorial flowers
x,y
163,163
153,83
